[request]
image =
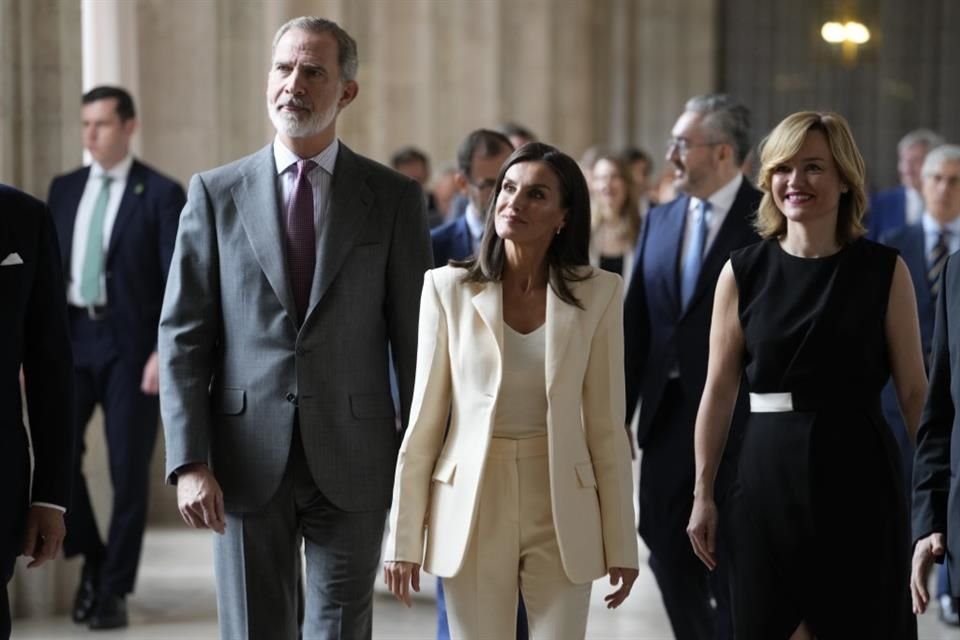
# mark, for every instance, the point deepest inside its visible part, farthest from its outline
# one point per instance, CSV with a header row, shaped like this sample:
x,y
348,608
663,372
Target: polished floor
x,y
175,601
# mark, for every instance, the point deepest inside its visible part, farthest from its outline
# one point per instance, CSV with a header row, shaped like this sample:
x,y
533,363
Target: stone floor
x,y
175,601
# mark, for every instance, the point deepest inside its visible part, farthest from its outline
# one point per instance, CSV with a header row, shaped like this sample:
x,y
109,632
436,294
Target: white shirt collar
x,y
118,172
285,158
722,199
932,227
474,221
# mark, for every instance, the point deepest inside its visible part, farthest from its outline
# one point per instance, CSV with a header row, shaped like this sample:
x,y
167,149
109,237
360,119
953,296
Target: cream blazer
x,y
459,369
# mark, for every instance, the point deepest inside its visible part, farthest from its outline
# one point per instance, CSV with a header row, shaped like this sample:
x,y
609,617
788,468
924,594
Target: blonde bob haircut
x,y
784,142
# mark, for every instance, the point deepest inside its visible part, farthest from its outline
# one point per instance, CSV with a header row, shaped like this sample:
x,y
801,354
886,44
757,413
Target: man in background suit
x,y
925,246
479,158
902,205
936,474
296,270
116,223
667,313
33,334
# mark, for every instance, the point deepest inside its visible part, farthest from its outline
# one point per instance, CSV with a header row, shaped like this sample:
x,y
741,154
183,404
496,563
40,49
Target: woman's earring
x,y
559,229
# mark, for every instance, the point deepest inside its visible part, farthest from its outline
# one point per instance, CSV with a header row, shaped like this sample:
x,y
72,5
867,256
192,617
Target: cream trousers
x,y
514,547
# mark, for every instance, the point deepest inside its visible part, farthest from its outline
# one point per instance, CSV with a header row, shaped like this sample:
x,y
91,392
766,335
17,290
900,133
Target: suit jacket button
x,y
292,398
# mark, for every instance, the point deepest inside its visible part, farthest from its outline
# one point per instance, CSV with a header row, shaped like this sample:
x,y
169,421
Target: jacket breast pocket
x,y
233,402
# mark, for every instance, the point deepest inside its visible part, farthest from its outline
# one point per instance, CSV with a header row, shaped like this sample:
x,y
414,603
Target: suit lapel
x,y
667,251
915,255
74,186
561,318
345,216
489,305
128,206
464,244
255,197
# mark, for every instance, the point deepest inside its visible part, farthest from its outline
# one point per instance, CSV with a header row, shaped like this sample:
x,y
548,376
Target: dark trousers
x,y
130,421
257,563
696,600
15,482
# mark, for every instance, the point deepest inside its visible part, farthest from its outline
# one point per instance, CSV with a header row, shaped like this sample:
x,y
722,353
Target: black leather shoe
x,y
85,601
948,611
111,612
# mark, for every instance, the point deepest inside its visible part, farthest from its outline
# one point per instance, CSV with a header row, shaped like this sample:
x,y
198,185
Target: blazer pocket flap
x,y
368,406
445,470
233,401
585,475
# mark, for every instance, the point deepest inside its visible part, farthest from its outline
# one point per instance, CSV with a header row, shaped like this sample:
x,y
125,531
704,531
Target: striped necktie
x,y
92,269
935,262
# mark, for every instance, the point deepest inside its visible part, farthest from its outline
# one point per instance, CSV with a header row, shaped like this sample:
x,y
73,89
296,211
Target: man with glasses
x,y
682,249
479,158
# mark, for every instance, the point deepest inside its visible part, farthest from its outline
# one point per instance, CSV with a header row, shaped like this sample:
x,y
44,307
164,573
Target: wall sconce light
x,y
848,35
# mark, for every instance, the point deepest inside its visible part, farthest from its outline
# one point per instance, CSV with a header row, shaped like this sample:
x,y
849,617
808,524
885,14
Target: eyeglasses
x,y
683,146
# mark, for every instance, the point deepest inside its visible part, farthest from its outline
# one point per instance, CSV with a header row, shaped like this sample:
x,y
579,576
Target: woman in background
x,y
615,223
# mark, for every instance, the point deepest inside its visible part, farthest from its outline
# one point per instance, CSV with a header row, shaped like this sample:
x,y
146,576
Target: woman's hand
x,y
399,577
626,578
926,549
702,530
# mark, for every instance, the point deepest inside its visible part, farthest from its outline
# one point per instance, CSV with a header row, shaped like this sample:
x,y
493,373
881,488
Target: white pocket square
x,y
12,259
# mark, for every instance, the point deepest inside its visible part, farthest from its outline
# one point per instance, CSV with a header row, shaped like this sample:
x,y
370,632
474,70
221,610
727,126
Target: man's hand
x,y
200,498
44,535
933,546
150,382
399,577
626,578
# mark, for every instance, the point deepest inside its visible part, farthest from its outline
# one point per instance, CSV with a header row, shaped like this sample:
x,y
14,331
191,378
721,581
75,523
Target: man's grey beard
x,y
292,127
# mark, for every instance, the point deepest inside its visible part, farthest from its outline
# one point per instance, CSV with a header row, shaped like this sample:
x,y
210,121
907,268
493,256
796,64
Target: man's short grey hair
x,y
938,157
926,137
726,119
346,45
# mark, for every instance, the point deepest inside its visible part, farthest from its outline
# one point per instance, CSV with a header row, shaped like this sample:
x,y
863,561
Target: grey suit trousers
x,y
257,599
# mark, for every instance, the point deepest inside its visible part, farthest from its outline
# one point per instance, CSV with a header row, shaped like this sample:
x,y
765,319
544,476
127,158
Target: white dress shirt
x,y
931,233
475,225
720,202
81,225
321,178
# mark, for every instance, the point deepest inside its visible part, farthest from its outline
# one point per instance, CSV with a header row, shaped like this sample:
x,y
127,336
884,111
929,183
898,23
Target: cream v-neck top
x,y
522,406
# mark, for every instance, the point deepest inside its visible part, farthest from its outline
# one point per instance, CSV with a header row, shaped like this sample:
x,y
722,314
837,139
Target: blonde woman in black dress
x,y
814,319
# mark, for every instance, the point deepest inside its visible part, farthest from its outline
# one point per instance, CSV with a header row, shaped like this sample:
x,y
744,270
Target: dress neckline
x,y
826,258
525,335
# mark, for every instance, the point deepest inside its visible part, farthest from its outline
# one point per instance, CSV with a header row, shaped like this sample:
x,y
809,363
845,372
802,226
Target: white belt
x,y
771,402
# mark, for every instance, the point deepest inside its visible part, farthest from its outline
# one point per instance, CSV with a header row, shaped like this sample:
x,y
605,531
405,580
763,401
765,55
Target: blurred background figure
x,y
414,163
640,164
893,208
924,246
615,221
519,135
445,190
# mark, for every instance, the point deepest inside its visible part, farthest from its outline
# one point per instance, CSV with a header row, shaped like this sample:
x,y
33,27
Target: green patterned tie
x,y
93,258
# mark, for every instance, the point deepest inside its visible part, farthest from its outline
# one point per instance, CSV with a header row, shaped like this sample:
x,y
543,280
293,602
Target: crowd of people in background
x,y
760,333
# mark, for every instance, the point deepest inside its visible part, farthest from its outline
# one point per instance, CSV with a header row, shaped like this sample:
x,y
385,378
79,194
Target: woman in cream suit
x,y
529,488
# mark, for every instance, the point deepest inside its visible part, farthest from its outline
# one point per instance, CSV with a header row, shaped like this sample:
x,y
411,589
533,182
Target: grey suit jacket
x,y
235,369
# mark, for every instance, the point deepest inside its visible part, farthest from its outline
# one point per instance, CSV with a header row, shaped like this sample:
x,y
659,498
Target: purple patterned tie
x,y
301,240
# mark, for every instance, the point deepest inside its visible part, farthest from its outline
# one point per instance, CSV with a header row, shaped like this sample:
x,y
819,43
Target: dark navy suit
x,y
909,241
451,241
110,352
661,336
887,212
33,334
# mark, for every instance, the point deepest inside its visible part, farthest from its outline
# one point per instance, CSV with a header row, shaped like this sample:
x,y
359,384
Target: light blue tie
x,y
92,267
694,258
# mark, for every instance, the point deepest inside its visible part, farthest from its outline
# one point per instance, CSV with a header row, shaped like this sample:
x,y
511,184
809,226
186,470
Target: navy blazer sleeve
x,y
46,359
931,472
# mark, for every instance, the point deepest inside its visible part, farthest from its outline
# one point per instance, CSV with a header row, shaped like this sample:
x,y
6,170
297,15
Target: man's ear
x,y
348,93
461,181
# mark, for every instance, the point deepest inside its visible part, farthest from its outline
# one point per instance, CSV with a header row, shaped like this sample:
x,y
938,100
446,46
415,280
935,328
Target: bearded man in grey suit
x,y
296,270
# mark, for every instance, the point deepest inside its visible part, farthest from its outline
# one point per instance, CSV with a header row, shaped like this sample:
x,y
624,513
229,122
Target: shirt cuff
x,y
49,506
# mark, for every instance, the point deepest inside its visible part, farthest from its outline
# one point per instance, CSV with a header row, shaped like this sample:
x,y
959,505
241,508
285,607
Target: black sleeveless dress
x,y
819,495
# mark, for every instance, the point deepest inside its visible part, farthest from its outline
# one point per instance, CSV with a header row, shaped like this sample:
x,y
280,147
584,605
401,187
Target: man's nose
x,y
294,84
